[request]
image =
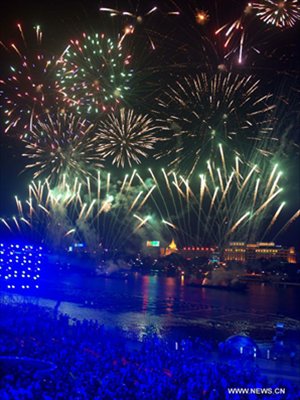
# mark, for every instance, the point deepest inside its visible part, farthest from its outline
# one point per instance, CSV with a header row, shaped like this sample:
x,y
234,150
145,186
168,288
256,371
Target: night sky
x,y
178,40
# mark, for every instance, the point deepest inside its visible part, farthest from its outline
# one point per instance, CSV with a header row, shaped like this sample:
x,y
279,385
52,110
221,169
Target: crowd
x,y
90,362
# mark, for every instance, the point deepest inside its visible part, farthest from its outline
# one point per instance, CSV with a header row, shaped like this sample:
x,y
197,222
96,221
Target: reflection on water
x,y
165,303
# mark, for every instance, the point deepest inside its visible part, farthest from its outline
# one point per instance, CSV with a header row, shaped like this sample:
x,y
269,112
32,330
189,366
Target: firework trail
x,y
98,211
231,201
235,34
136,18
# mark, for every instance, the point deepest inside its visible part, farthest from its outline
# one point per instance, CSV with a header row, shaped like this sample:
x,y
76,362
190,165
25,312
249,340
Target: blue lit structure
x,y
20,266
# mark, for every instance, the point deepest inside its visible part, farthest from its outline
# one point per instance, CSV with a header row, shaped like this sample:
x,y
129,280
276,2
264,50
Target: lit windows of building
x,y
240,251
191,252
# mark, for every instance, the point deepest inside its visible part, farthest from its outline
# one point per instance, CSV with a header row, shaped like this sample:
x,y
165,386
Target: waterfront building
x,y
170,249
235,251
247,252
188,252
191,252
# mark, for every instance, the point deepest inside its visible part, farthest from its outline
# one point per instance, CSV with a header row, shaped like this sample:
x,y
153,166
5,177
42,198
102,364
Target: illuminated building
x,y
240,251
20,266
153,248
236,251
190,252
171,248
153,243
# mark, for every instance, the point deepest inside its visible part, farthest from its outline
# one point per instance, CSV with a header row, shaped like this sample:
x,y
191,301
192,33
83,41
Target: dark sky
x,y
278,64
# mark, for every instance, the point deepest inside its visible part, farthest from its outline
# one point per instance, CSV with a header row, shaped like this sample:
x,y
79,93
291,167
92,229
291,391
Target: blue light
x,y
13,265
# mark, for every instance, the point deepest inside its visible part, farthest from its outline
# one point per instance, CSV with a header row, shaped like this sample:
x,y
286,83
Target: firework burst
x,y
279,13
126,137
93,76
202,17
61,144
29,90
203,111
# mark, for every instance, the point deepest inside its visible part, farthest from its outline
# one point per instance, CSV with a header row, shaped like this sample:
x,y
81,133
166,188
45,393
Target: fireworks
x,y
61,144
29,91
204,111
94,74
126,137
238,35
100,210
202,17
136,17
279,13
94,105
235,34
228,201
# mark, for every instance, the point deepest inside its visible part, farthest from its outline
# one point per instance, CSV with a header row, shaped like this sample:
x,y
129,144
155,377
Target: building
x,y
191,252
153,248
170,249
243,252
236,251
188,252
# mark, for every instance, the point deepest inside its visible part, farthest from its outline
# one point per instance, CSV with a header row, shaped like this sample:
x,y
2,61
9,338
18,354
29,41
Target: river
x,y
167,305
